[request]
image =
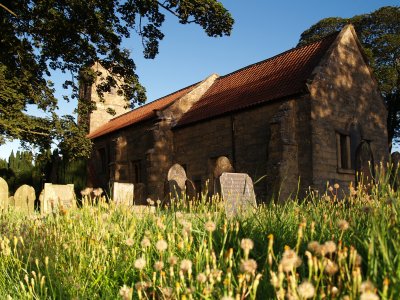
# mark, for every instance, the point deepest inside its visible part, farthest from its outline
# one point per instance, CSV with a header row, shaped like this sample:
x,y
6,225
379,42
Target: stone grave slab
x,y
176,180
3,194
123,193
238,193
24,199
56,195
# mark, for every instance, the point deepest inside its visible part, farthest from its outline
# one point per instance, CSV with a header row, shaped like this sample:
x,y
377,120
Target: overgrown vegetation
x,y
319,248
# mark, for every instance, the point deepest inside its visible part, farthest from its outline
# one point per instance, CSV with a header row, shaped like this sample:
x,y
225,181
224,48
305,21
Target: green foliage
x,y
346,247
379,33
40,36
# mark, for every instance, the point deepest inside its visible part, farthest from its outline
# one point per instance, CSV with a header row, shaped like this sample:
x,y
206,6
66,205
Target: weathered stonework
x,y
291,143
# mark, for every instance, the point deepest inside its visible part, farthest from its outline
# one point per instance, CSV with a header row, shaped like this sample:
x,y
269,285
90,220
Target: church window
x,y
343,152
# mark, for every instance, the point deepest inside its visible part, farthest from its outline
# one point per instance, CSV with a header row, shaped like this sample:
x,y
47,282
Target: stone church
x,y
305,118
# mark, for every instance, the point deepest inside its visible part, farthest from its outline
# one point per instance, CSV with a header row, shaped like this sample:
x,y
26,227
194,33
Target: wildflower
x,y
86,191
129,242
150,202
186,265
343,225
247,244
306,290
330,189
161,245
145,242
290,260
331,267
334,290
141,285
140,263
201,277
125,292
330,247
210,226
158,265
248,266
97,192
336,186
173,260
314,247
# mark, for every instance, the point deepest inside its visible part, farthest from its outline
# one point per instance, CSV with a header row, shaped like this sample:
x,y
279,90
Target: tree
x,y
379,33
38,36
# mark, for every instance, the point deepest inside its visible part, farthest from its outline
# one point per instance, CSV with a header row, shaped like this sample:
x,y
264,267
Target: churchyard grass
x,y
316,248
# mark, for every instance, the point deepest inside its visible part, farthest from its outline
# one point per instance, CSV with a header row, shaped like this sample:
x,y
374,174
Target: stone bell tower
x,y
111,101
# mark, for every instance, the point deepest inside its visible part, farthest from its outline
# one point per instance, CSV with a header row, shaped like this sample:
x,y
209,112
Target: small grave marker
x,y
56,195
123,193
238,193
3,194
24,199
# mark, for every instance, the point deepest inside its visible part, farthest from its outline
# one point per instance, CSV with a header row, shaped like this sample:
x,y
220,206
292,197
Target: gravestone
x,y
3,194
123,193
56,196
238,193
24,199
222,165
176,180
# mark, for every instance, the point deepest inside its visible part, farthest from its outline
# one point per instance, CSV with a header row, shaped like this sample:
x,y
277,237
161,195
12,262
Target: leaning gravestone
x,y
123,193
238,193
3,194
56,196
176,180
24,199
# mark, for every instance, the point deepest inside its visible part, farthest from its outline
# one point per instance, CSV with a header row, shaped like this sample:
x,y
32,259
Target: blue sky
x,y
262,29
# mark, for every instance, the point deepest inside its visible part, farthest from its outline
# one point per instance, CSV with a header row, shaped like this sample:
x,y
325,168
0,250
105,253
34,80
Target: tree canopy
x,y
39,36
379,33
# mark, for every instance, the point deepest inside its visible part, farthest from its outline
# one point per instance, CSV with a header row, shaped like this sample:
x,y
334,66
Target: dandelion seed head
x,y
290,260
331,267
247,244
140,263
161,245
158,266
248,266
336,185
210,226
125,292
330,247
145,243
369,296
129,242
173,260
314,247
367,286
343,225
186,265
201,277
306,290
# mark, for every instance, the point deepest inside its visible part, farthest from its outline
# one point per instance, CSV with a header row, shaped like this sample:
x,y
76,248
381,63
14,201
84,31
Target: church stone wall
x,y
343,92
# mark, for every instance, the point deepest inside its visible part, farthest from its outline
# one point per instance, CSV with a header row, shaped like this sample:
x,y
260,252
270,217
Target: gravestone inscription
x,y
123,193
3,194
56,196
238,193
24,199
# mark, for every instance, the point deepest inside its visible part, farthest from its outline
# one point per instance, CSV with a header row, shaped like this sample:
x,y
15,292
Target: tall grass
x,y
318,248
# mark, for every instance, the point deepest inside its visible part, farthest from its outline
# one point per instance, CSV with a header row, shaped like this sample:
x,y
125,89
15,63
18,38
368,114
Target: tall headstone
x,y
123,193
176,180
56,196
238,193
3,194
24,199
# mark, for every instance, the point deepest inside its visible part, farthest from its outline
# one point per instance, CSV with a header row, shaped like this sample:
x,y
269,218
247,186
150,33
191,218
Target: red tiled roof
x,y
277,77
141,113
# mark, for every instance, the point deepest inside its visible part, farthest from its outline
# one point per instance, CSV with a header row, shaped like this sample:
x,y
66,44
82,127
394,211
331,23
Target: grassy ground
x,y
317,248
